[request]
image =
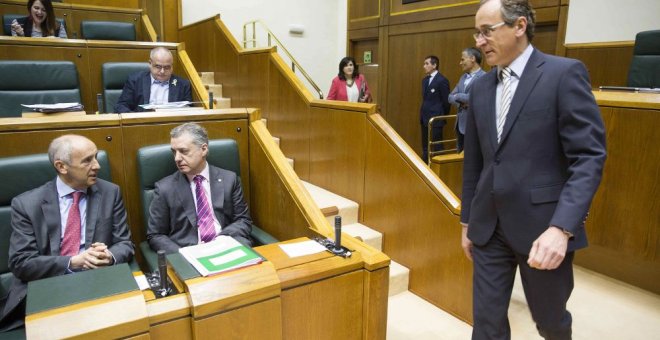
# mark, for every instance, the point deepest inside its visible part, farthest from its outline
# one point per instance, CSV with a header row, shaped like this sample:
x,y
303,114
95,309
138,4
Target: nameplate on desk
x,y
71,289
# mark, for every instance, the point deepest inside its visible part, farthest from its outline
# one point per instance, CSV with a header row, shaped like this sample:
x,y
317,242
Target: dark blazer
x,y
137,91
173,218
549,162
459,96
26,23
34,249
434,98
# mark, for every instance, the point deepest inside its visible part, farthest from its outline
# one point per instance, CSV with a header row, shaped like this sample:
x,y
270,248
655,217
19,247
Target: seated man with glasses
x,y
158,86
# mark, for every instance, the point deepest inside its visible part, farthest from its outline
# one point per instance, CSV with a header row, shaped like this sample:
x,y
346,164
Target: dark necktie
x,y
204,214
71,240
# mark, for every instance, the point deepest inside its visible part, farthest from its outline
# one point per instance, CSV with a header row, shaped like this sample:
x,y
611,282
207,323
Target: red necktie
x,y
71,240
204,217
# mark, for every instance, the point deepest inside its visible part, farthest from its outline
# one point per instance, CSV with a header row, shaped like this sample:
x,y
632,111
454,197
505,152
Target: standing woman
x,y
349,85
40,22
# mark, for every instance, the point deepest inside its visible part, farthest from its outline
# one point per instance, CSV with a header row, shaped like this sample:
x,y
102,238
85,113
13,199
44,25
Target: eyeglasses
x,y
487,31
162,67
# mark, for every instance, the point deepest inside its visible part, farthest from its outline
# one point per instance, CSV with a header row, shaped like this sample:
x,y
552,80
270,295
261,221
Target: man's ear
x,y
61,167
205,150
520,26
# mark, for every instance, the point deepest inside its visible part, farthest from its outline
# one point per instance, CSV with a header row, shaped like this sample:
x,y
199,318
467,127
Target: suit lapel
x,y
184,195
146,88
50,206
491,112
93,204
217,185
425,84
526,85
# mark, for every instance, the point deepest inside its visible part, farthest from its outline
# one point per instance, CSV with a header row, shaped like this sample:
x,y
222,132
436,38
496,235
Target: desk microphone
x,y
210,100
338,234
99,102
162,271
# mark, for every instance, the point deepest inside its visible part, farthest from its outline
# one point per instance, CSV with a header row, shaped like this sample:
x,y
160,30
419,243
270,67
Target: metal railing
x,y
432,143
271,36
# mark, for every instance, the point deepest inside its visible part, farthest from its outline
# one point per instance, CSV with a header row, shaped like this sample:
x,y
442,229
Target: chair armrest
x,y
261,237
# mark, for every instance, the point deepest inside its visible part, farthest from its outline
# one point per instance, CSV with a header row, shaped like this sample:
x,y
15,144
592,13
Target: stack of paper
x,y
59,107
171,105
221,255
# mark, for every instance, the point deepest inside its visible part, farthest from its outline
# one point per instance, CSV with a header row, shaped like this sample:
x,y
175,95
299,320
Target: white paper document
x,y
302,248
142,282
171,105
59,107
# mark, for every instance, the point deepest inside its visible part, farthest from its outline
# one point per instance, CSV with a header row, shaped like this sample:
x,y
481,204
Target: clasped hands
x,y
97,255
16,27
547,253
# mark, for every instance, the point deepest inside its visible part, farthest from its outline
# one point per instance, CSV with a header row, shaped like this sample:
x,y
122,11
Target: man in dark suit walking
x,y
157,86
459,96
435,89
72,223
199,201
534,154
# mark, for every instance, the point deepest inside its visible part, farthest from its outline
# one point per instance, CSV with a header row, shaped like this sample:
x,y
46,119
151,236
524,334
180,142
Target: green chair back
x,y
107,30
114,77
645,65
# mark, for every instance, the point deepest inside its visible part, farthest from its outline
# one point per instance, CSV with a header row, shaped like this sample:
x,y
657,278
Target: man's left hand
x,y
549,250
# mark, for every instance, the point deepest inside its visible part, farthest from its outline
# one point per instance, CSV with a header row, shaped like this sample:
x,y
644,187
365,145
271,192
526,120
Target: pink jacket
x,y
338,89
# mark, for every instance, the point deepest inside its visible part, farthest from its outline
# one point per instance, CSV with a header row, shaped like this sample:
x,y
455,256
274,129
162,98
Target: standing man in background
x,y
534,155
435,89
471,65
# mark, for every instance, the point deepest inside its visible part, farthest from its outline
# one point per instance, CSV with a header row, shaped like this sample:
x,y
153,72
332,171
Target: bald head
x,y
74,159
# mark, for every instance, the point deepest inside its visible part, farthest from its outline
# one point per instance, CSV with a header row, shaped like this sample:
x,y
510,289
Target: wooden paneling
x,y
112,3
340,316
155,129
80,15
254,81
257,321
376,284
272,206
337,151
364,13
423,235
180,329
286,106
449,169
607,65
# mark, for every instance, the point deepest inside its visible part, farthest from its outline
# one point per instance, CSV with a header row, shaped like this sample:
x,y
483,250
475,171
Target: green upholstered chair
x,y
114,76
8,18
20,174
645,65
107,30
36,82
156,162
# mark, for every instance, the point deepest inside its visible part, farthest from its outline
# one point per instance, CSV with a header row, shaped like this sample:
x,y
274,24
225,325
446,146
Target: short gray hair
x,y
513,9
196,131
60,150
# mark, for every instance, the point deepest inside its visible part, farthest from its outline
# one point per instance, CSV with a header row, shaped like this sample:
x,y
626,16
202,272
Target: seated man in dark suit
x,y
158,86
199,201
75,222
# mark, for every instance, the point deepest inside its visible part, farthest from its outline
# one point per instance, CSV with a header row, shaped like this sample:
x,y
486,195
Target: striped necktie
x,y
505,100
71,241
204,214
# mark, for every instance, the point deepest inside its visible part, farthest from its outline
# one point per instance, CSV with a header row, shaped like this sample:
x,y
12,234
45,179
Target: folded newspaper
x,y
220,255
171,105
59,107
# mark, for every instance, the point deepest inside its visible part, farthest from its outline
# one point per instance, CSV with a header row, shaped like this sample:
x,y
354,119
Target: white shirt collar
x,y
518,64
63,189
153,80
433,73
205,172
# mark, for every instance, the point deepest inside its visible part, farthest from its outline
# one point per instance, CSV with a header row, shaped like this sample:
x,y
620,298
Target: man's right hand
x,y
466,243
91,258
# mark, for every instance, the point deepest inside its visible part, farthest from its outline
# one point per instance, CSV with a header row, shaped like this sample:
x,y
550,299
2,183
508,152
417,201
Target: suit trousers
x,y
436,135
546,291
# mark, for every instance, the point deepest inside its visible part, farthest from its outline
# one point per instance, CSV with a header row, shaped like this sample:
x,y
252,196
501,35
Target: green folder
x,y
70,289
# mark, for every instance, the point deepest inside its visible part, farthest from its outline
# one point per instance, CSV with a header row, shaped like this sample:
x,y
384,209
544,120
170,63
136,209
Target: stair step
x,y
348,210
290,161
276,140
265,121
364,233
222,103
399,276
215,88
207,78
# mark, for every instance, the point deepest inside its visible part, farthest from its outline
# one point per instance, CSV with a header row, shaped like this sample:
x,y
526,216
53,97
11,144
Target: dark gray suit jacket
x,y
137,91
173,218
459,96
34,250
549,162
